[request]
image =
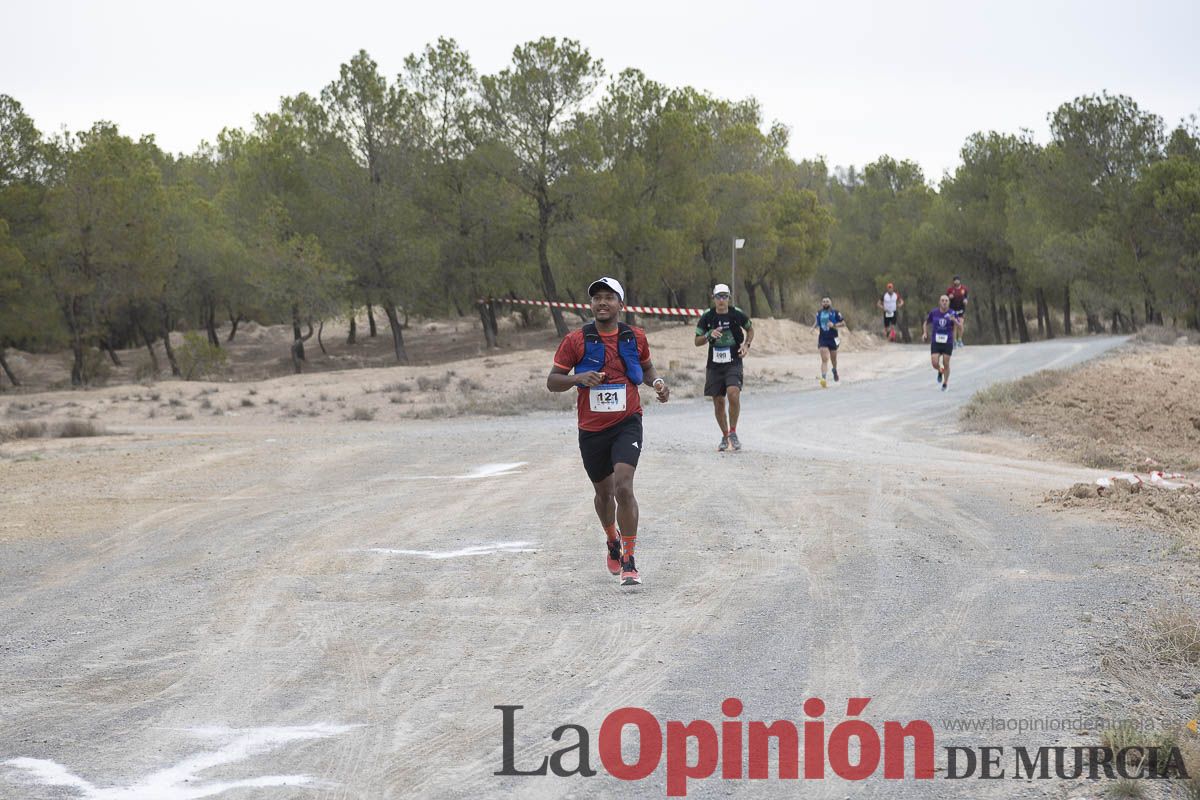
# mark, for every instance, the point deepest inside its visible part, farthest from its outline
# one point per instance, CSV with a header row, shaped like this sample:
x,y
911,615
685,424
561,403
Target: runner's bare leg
x,y
719,411
606,500
627,506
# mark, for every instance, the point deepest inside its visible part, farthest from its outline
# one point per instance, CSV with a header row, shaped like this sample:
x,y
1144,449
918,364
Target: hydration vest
x,y
594,356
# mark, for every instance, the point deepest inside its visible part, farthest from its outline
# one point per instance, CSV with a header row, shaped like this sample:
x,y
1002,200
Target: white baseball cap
x,y
607,283
720,288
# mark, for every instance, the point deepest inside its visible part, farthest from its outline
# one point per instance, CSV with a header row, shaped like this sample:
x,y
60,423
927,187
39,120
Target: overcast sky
x,y
851,79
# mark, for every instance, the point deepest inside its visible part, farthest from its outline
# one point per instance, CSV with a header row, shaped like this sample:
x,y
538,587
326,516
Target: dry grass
x,y
361,414
1175,636
77,428
28,429
1157,334
428,383
999,405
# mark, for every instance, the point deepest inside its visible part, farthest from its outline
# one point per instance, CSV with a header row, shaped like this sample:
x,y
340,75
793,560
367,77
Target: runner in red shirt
x,y
610,414
957,292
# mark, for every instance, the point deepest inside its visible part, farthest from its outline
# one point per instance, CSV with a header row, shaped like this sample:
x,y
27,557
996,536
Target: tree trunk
x,y
1046,313
72,310
769,293
234,320
137,323
1067,310
7,369
165,320
489,333
210,325
995,316
491,313
1007,330
371,321
1037,301
298,342
750,295
320,344
902,323
1018,307
548,285
579,312
353,336
782,304
397,334
112,354
297,339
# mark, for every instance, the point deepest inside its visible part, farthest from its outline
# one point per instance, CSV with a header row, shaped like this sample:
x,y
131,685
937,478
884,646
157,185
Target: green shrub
x,y
198,358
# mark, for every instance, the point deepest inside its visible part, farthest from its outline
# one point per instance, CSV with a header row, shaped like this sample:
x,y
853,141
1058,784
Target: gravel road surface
x,y
333,610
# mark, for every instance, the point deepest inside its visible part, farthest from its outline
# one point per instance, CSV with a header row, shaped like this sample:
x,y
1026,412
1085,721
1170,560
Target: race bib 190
x,y
607,397
722,355
941,338
889,314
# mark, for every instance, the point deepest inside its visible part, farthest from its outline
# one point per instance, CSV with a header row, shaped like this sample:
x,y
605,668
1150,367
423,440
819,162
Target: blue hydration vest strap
x,y
627,347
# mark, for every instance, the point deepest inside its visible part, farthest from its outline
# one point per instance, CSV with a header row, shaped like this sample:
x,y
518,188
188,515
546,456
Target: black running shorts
x,y
946,348
618,444
889,321
720,377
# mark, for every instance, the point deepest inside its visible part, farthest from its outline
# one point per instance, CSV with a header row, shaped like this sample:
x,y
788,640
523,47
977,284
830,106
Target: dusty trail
x,y
850,550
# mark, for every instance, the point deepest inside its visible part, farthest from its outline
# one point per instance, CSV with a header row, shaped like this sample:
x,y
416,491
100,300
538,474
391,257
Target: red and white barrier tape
x,y
653,310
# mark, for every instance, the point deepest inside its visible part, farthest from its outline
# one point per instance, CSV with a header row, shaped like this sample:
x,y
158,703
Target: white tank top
x,y
889,301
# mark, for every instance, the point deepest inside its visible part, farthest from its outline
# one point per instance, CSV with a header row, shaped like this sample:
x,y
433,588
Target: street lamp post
x,y
737,245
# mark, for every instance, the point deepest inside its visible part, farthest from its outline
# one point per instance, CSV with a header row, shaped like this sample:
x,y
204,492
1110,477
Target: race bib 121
x,y
607,398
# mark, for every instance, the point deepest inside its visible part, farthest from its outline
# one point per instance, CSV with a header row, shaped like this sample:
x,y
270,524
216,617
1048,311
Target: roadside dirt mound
x,y
1176,510
1136,410
782,336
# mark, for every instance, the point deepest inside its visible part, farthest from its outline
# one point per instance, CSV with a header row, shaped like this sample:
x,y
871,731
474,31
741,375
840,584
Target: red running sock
x,y
611,532
630,542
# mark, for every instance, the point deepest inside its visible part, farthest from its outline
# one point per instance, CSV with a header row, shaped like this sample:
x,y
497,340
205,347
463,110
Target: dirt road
x,y
333,610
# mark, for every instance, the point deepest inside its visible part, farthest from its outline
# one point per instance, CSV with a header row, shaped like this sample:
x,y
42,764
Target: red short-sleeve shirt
x,y
570,353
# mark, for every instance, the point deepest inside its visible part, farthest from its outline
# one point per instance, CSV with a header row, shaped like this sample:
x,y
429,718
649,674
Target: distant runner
x,y
610,360
942,323
728,333
957,292
889,302
828,320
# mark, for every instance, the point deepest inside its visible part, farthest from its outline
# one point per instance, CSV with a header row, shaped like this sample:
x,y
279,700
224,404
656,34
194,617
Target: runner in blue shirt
x,y
827,322
938,329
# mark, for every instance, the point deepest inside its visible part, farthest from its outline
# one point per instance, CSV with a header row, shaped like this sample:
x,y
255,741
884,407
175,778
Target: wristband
x,y
657,381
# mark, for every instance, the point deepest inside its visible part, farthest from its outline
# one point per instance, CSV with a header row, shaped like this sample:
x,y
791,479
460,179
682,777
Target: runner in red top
x,y
957,292
610,415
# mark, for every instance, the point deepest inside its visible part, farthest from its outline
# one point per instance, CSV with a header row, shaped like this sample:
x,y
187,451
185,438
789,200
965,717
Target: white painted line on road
x,y
482,471
474,550
181,781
